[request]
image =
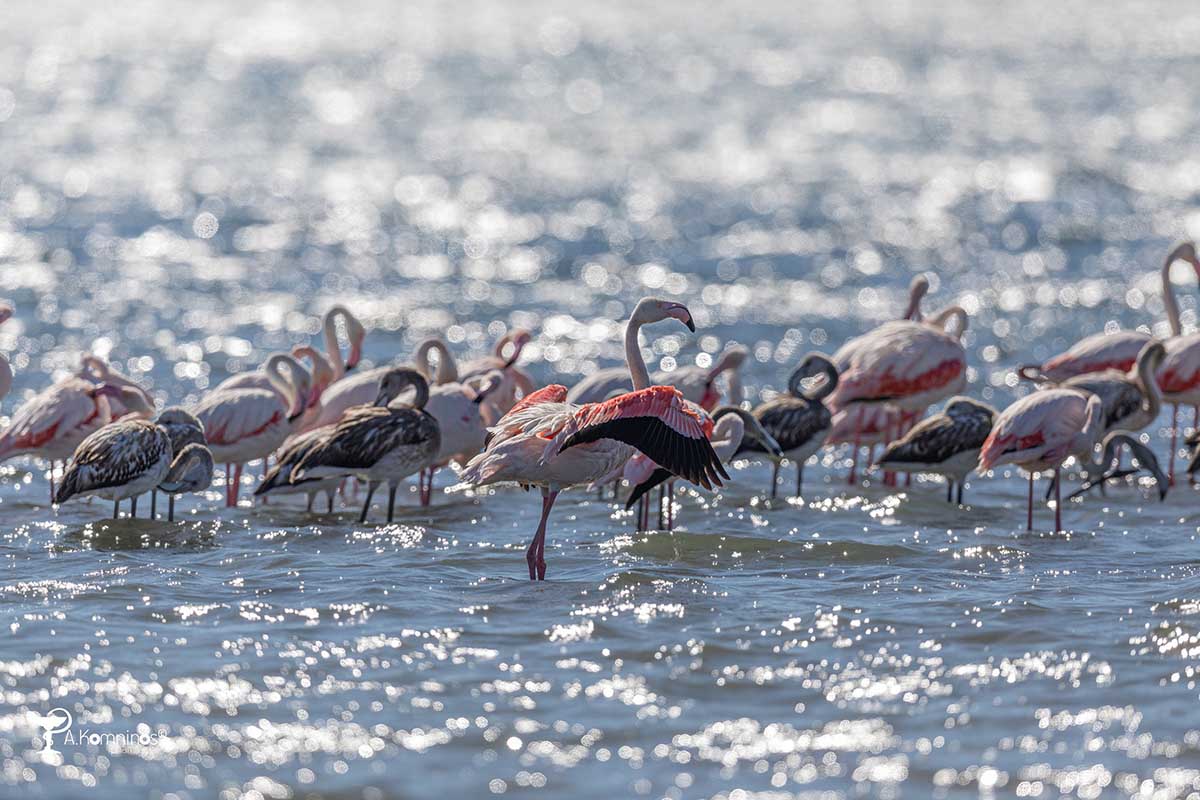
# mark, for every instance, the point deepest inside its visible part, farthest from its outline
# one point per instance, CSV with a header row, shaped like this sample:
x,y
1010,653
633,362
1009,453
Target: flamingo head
x,y
322,371
916,293
6,312
652,309
518,338
133,399
1186,251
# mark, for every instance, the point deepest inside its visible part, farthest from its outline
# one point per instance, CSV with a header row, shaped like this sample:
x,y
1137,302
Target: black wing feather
x,y
691,459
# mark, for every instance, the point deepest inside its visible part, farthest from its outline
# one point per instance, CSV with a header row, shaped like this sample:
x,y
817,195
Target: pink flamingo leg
x,y
1174,433
535,556
1057,501
237,484
1029,507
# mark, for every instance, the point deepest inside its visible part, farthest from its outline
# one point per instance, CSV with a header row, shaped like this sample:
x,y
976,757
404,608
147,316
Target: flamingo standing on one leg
x,y
1041,431
545,441
243,425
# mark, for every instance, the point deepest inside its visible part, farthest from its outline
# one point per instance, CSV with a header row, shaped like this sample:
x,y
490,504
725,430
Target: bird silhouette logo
x,y
57,721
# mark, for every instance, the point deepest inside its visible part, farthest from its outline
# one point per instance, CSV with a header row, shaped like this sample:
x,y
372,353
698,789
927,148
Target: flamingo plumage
x,y
243,425
547,442
1041,431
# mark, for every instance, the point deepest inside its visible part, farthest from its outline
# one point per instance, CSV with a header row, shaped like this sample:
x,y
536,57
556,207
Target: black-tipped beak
x,y
690,323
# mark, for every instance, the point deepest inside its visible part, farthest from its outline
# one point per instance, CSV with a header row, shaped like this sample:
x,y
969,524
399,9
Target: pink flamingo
x,y
52,424
902,365
1041,431
1119,351
246,424
545,441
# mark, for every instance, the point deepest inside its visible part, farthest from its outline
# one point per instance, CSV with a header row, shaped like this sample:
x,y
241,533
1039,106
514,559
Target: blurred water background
x,y
185,187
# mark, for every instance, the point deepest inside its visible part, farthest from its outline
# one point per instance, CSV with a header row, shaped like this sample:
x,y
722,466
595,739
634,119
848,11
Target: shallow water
x,y
185,187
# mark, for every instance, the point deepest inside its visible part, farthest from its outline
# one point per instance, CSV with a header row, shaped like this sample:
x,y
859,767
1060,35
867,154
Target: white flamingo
x,y
517,383
547,442
1041,431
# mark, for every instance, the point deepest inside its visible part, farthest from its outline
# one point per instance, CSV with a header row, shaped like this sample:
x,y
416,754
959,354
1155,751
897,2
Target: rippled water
x,y
185,187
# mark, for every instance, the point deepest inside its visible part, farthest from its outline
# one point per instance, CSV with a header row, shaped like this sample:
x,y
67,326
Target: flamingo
x,y
1041,431
1143,458
279,478
945,444
1119,350
121,460
696,384
547,442
380,443
798,420
732,428
52,424
243,425
903,366
191,470
182,428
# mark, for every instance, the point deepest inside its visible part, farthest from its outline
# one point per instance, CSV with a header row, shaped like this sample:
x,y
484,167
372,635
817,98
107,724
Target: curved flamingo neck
x,y
447,367
288,384
1169,301
1148,382
332,348
633,352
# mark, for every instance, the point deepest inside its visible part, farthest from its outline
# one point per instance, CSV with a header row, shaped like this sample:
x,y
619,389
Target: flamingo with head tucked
x,y
121,460
946,444
52,424
1041,431
547,442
